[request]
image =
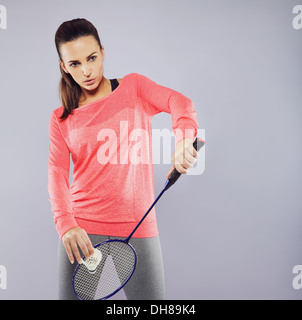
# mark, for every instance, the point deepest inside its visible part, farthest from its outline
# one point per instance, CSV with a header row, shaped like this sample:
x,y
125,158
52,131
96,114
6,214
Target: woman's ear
x,y
63,66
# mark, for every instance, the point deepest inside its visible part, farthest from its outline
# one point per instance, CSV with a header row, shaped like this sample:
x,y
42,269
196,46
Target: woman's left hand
x,y
184,156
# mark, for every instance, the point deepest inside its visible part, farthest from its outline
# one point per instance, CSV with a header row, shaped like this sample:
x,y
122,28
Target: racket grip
x,y
197,144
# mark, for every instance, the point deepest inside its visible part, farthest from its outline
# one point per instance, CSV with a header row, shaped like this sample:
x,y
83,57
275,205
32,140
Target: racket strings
x,y
117,265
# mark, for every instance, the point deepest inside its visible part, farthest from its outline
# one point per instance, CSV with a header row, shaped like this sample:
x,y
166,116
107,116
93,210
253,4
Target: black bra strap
x,y
114,84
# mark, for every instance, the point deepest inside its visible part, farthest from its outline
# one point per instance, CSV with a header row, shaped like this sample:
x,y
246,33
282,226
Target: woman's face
x,y
83,60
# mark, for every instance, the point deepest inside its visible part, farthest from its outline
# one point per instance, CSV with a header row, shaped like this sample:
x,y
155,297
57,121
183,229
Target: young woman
x,y
100,125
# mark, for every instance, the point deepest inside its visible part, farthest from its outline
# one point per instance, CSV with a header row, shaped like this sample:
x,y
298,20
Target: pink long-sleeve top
x,y
110,142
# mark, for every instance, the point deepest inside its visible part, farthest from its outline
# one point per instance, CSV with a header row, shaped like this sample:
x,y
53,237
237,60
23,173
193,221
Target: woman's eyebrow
x,y
86,58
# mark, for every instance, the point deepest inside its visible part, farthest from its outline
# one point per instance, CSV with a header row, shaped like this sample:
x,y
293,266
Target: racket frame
x,y
124,283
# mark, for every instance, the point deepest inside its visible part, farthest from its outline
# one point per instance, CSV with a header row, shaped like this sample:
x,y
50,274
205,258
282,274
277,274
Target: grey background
x,y
233,232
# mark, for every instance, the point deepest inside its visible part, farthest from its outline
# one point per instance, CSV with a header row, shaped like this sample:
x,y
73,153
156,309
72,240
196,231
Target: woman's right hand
x,y
74,239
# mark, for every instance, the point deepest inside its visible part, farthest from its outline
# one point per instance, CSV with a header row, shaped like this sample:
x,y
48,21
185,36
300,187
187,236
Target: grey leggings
x,y
147,282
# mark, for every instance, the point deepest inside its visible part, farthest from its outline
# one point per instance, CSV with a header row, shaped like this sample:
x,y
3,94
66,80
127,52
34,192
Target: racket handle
x,y
197,144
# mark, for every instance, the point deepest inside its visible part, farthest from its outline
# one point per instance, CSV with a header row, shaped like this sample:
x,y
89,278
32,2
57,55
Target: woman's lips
x,y
89,82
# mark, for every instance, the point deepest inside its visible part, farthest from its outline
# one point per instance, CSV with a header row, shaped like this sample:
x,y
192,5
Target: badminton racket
x,y
114,261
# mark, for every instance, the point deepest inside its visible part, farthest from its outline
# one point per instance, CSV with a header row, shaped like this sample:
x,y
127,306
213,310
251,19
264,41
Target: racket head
x,y
115,269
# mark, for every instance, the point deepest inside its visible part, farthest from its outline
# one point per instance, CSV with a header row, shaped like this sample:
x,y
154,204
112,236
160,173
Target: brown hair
x,y
69,90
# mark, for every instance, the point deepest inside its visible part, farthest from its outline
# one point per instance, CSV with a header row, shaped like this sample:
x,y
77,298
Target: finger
x,y
69,252
189,160
76,252
82,245
88,245
195,153
191,151
181,169
90,248
184,163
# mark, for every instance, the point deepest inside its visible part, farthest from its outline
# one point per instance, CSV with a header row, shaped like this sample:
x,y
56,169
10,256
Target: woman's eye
x,y
75,64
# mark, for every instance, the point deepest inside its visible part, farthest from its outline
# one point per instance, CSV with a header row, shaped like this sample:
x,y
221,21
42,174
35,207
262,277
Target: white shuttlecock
x,y
93,261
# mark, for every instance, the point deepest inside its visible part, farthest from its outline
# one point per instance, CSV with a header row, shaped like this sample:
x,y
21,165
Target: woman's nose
x,y
86,71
